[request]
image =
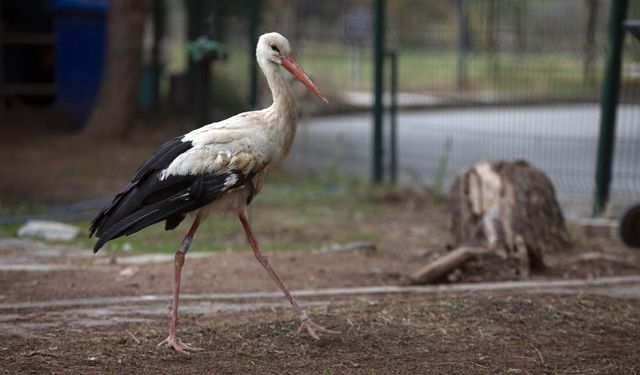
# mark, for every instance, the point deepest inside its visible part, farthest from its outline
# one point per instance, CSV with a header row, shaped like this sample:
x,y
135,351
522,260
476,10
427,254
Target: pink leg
x,y
307,324
173,339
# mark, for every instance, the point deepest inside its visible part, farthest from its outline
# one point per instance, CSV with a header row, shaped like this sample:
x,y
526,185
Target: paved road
x,y
434,145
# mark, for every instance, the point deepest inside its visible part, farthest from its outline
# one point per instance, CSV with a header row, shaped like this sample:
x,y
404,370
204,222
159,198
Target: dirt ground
x,y
81,274
463,333
470,334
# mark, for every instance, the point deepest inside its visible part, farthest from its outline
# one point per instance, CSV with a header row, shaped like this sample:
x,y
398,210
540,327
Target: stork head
x,y
273,48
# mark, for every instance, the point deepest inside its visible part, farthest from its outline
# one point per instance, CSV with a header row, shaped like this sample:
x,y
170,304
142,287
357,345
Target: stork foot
x,y
179,346
312,327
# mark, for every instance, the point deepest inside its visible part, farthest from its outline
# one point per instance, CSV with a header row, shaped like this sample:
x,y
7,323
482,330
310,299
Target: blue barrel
x,y
80,29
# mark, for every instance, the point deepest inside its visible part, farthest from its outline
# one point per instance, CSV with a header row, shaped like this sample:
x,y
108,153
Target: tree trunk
x,y
501,207
117,102
510,207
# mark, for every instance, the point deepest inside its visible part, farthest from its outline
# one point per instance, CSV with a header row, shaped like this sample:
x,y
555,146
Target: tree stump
x,y
503,207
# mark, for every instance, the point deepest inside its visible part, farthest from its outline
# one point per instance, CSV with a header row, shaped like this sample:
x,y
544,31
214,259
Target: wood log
x,y
444,264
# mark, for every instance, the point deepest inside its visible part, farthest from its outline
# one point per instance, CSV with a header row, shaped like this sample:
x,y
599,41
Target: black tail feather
x,y
151,202
142,218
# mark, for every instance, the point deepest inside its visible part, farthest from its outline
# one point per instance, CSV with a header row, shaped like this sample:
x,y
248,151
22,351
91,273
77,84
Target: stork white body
x,y
253,142
217,168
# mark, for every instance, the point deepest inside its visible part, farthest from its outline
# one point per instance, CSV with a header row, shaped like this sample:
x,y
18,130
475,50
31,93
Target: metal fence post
x,y
378,58
608,105
156,66
2,97
196,14
463,45
253,40
393,113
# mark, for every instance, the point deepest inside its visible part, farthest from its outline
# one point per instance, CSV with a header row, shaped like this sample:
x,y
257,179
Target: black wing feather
x,y
172,222
142,218
162,157
203,189
147,199
158,161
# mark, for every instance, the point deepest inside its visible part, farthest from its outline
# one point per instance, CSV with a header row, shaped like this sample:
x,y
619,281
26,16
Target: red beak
x,y
294,68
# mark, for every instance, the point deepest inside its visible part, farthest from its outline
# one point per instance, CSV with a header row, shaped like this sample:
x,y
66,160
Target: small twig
x,y
132,336
596,256
200,324
539,354
45,354
350,322
527,358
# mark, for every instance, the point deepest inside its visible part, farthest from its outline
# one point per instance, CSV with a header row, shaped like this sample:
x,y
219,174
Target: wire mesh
x,y
481,79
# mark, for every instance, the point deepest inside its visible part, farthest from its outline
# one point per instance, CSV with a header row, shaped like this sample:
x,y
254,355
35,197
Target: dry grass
x,y
479,334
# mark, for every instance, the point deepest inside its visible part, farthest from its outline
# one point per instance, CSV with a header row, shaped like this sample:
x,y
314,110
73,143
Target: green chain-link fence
x,y
477,79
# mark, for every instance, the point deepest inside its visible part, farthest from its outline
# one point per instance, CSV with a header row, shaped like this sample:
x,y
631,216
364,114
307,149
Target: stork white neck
x,y
284,102
274,54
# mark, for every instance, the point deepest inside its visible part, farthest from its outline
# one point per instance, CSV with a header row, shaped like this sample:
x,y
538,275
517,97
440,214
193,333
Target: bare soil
x,y
504,333
104,275
472,334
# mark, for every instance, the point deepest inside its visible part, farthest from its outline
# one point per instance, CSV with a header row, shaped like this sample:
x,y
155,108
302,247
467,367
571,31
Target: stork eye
x,y
273,47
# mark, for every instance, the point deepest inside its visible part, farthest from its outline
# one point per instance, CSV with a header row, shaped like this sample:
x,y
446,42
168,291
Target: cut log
x,y
506,207
444,264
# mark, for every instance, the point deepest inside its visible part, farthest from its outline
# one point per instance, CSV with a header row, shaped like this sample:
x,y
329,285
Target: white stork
x,y
217,168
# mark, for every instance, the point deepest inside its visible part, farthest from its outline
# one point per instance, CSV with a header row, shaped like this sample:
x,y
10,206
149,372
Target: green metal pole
x,y
609,104
196,27
378,59
393,113
254,19
463,45
2,97
158,31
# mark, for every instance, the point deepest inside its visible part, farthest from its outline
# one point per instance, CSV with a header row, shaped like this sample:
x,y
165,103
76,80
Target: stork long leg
x,y
306,323
173,339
